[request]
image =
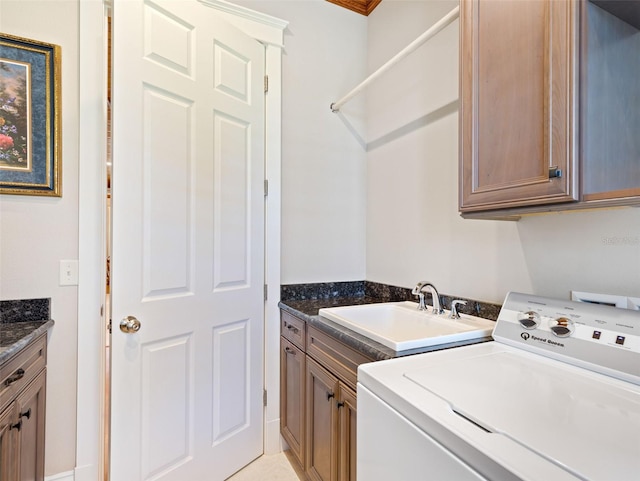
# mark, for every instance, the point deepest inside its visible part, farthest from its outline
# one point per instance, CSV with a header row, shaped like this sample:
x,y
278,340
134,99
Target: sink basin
x,y
401,326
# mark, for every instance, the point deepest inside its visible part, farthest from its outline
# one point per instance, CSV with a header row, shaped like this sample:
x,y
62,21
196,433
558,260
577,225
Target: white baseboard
x,y
272,439
88,472
68,476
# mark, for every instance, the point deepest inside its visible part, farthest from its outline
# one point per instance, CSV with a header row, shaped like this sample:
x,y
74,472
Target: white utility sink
x,y
401,326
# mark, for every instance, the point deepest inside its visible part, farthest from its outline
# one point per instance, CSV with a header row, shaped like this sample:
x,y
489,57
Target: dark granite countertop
x,y
308,310
15,336
21,322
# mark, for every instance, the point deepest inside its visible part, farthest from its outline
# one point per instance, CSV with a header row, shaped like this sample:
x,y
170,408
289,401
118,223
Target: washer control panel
x,y
601,338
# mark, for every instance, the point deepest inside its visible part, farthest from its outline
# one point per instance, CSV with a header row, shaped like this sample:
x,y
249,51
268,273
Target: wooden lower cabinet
x,y
347,422
318,376
22,414
22,434
292,396
322,423
7,443
331,426
31,406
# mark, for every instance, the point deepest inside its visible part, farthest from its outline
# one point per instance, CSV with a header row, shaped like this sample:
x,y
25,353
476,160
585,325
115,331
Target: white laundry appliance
x,y
555,396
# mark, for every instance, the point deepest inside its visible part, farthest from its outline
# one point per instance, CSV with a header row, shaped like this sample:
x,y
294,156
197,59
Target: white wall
x,y
323,161
400,208
414,231
36,232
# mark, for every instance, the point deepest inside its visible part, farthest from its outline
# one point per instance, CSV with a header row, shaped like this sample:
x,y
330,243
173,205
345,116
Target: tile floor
x,y
274,467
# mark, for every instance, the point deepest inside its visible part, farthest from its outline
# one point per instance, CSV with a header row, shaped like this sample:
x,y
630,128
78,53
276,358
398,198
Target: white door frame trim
x,y
92,246
92,224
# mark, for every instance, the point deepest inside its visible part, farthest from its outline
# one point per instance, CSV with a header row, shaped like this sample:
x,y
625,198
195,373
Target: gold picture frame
x,y
30,136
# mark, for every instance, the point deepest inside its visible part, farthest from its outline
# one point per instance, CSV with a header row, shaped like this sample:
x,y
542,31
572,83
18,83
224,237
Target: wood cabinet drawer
x,y
293,329
18,372
338,358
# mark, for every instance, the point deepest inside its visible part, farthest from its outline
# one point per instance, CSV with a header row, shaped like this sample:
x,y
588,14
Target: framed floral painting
x,y
30,138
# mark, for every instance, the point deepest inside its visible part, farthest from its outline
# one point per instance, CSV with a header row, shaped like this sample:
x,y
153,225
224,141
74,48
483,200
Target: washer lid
x,y
581,421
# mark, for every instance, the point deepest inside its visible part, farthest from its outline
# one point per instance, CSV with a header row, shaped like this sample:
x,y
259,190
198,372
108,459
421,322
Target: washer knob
x,y
529,319
562,326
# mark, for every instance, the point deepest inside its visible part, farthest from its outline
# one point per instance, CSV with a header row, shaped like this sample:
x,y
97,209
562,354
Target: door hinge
x,y
109,326
266,84
266,290
264,397
266,187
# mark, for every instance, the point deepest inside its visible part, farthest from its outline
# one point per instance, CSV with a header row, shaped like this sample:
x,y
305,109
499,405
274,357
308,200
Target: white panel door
x,y
188,243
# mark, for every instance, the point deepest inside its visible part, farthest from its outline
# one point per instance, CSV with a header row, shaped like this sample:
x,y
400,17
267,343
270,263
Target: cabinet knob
x,y
329,396
26,414
130,325
555,173
289,350
17,425
339,405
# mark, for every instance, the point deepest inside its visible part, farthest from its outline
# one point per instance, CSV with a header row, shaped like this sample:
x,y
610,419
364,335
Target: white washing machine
x,y
555,396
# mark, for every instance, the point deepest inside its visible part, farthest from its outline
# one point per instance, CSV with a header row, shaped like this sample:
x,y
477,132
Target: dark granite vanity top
x,y
17,335
308,311
304,301
22,322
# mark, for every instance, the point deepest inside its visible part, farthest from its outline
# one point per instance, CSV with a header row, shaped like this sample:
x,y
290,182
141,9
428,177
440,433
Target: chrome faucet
x,y
419,289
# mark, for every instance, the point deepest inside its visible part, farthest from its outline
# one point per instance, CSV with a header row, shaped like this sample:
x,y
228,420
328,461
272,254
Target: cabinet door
x,y
610,99
347,421
30,405
292,396
7,443
518,120
322,423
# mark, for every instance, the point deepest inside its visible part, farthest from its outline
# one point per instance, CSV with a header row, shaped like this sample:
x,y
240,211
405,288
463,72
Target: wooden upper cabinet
x,y
610,111
519,100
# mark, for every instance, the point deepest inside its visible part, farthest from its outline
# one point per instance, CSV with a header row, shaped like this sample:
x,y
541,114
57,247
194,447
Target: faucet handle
x,y
454,308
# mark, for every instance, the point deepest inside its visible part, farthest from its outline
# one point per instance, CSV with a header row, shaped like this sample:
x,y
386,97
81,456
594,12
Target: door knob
x,y
130,325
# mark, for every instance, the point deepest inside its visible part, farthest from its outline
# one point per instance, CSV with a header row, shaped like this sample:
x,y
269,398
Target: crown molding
x,y
363,7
